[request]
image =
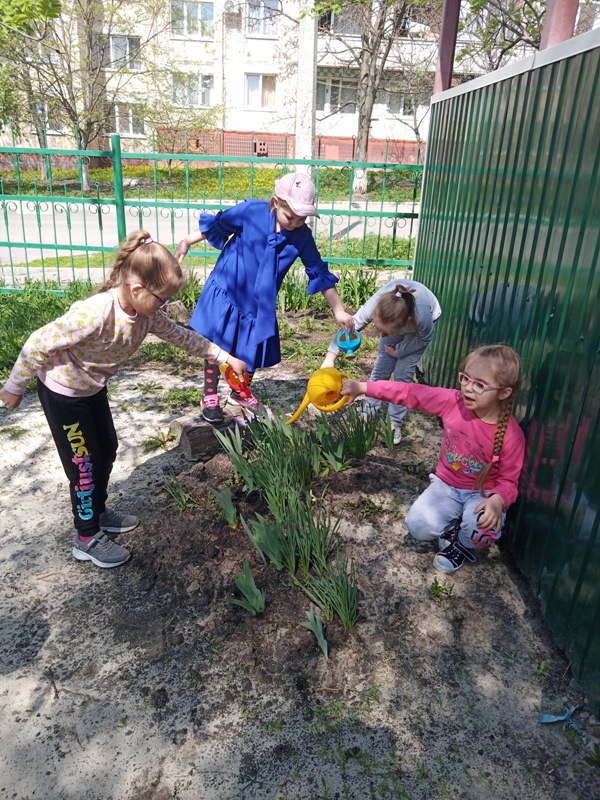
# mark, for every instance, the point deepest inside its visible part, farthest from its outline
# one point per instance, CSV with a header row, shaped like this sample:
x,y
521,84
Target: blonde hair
x,y
396,308
275,202
148,260
506,367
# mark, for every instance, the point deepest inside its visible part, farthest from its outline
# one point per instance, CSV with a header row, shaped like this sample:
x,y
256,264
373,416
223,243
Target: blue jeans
x,y
440,506
403,369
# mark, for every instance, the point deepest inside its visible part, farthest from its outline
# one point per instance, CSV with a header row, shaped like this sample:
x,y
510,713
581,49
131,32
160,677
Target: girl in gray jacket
x,y
405,314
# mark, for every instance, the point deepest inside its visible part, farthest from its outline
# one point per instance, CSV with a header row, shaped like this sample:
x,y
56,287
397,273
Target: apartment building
x,y
238,58
238,66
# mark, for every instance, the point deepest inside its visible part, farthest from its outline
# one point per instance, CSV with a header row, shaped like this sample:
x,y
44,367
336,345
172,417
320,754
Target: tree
x,y
415,55
83,72
23,15
10,103
17,17
496,30
362,38
178,122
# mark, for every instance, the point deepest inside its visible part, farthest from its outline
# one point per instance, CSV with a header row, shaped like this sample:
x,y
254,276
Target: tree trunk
x,y
419,147
85,177
367,89
40,134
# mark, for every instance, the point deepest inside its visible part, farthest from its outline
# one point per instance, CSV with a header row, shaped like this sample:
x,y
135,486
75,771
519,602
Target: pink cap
x,y
299,193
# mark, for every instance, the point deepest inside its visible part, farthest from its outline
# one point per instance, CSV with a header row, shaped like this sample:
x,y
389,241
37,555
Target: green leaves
x,y
267,540
225,502
315,625
280,464
255,598
181,498
21,14
359,435
356,286
593,759
335,590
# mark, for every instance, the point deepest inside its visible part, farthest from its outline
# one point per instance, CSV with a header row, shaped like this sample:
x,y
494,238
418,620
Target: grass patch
x,y
181,398
229,183
24,312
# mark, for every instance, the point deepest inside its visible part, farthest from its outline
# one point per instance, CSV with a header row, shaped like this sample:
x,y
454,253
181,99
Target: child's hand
x,y
182,249
345,320
187,242
239,367
11,400
492,512
353,389
329,361
390,349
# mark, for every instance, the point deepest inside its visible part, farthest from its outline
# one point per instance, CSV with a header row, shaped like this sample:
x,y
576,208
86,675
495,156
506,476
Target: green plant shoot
x,y
255,597
226,505
315,624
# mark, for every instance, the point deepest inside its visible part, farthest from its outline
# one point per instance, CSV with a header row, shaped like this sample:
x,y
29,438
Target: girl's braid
x,y
506,367
504,415
131,243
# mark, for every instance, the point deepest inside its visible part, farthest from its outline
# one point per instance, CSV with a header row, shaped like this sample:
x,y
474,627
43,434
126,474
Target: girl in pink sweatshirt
x,y
73,359
481,456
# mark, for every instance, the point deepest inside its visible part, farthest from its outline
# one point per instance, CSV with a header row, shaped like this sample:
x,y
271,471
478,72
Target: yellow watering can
x,y
323,387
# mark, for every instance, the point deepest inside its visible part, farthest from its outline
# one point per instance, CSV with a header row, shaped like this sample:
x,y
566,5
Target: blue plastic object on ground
x,y
566,718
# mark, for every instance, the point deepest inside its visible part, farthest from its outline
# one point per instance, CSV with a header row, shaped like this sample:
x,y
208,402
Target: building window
x,y
321,95
49,115
192,19
399,103
343,97
336,96
117,52
260,91
192,90
127,119
262,17
342,23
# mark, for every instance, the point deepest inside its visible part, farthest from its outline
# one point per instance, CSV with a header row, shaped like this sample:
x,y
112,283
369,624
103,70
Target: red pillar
x,y
559,22
449,32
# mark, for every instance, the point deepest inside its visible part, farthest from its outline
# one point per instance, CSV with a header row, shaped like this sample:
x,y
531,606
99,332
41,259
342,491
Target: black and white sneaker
x,y
449,535
453,557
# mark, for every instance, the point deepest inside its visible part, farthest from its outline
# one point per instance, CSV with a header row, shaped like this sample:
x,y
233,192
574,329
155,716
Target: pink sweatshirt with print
x,y
467,441
76,354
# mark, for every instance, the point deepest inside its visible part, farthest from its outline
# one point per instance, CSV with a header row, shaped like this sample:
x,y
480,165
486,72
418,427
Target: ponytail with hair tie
x,y
153,267
393,314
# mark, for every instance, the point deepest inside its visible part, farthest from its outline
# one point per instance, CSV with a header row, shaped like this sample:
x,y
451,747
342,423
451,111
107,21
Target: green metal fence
x,y
62,212
510,241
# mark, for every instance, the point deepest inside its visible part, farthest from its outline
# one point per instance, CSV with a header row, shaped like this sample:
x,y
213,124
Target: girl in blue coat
x,y
259,242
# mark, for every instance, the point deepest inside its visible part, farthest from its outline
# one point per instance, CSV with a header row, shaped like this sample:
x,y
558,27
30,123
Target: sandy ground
x,y
111,691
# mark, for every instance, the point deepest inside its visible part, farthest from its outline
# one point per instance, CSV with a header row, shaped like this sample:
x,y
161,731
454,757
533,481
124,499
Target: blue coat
x,y
237,307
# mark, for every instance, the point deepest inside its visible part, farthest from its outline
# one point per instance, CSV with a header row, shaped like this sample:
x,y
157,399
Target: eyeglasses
x,y
479,387
162,302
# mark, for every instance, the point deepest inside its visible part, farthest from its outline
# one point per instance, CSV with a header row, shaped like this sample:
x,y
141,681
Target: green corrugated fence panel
x,y
509,241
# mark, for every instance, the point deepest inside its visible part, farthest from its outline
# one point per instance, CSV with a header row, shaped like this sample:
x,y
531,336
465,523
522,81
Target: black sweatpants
x,y
85,437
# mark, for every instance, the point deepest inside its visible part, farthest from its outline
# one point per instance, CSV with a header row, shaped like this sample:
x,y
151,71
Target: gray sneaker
x,y
113,522
101,551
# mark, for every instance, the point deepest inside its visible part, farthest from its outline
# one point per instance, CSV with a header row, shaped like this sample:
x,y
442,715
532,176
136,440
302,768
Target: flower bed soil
x,y
140,683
